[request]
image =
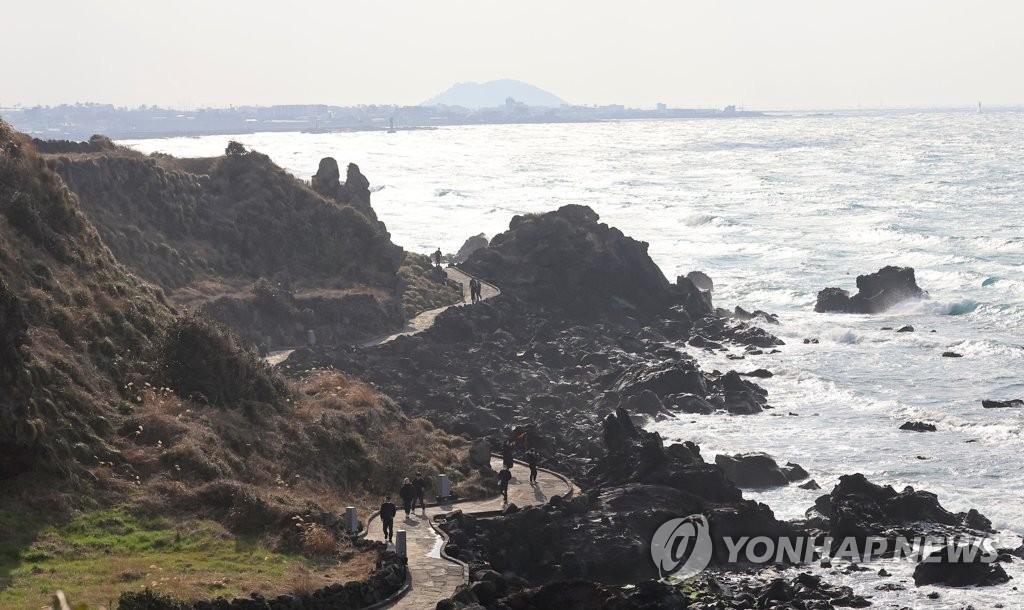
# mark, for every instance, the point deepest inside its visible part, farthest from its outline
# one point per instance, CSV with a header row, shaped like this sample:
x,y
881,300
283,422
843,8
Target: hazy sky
x,y
764,54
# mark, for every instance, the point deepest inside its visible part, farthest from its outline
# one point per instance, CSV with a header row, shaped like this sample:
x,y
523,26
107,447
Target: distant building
x,y
661,107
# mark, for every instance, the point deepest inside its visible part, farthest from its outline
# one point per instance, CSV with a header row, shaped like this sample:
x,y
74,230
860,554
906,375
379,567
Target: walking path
x,y
426,319
418,324
434,577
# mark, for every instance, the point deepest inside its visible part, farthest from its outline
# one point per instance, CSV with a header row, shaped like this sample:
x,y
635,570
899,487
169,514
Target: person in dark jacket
x,y
508,454
504,476
532,458
419,485
407,494
437,257
388,510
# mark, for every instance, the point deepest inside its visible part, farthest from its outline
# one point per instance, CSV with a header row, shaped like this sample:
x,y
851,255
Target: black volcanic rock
x,y
876,292
703,592
604,535
669,378
1002,404
355,191
701,280
327,179
918,426
757,470
857,508
568,260
470,246
940,568
556,352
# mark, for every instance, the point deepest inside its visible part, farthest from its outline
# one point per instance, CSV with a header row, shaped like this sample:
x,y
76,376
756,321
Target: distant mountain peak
x,y
494,93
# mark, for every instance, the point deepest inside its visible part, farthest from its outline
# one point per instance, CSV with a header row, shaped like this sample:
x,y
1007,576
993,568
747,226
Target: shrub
x,y
317,540
235,149
204,360
149,600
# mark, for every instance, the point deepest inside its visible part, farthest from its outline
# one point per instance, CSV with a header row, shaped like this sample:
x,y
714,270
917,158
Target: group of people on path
x,y
508,461
475,287
411,492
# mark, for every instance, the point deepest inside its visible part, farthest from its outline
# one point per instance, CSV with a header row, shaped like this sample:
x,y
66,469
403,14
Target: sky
x,y
762,55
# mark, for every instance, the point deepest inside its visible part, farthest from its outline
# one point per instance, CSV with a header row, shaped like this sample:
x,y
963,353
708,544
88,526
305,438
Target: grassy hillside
x,y
135,440
217,228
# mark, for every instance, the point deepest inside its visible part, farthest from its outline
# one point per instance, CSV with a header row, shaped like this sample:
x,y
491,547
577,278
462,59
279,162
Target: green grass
x,y
97,556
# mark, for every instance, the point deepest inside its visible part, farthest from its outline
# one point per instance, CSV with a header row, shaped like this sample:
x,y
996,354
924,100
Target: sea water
x,y
774,209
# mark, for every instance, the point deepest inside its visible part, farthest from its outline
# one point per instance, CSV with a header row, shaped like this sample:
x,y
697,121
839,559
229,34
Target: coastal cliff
x,y
240,238
133,433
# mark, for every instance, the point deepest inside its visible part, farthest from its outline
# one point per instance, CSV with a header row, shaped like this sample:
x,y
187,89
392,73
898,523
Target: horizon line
x,y
740,106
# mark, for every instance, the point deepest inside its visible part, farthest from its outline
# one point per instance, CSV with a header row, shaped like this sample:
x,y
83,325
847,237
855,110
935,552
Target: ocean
x,y
774,209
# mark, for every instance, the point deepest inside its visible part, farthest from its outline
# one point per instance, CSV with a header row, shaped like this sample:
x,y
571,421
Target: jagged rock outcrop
x,y
965,566
1003,404
470,246
857,508
705,592
604,535
876,292
355,191
918,426
568,260
755,470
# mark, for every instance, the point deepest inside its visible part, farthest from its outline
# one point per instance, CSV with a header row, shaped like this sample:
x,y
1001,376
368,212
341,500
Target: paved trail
x,y
426,319
418,324
433,577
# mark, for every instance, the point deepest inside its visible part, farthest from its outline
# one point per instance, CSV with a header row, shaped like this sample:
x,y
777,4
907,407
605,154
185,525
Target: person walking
x,y
388,510
504,476
407,494
508,455
437,257
532,458
419,485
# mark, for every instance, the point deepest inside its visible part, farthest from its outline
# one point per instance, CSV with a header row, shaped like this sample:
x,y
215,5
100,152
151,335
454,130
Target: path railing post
x,y
444,487
351,519
400,543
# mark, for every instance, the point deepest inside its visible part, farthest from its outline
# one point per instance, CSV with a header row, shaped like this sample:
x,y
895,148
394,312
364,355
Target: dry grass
x,y
318,541
98,556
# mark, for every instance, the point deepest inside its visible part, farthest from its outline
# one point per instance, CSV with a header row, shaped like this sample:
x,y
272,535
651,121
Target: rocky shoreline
x,y
587,342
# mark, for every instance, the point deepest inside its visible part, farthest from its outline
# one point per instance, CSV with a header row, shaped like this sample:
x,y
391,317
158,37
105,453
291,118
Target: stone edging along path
x,y
432,574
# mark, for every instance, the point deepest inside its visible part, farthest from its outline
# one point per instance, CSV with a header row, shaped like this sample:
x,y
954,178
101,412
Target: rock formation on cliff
x,y
242,239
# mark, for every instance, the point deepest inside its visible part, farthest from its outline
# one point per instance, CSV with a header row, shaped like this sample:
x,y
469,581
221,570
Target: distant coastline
x,y
80,121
